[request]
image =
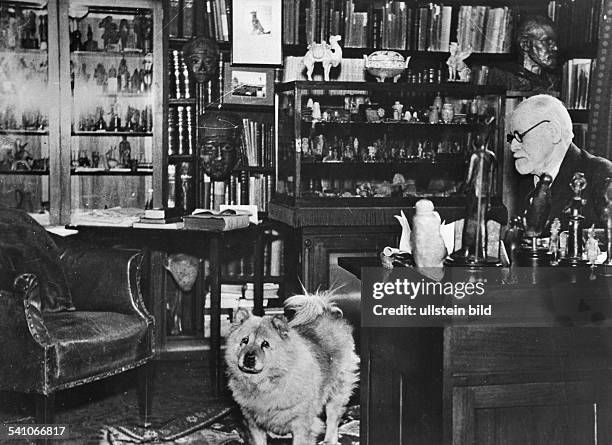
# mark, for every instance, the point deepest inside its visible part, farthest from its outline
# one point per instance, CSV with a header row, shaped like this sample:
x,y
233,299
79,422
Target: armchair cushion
x,y
91,343
26,247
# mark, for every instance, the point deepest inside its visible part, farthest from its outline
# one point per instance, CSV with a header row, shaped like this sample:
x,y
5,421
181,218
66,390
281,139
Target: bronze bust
x,y
201,54
536,70
219,135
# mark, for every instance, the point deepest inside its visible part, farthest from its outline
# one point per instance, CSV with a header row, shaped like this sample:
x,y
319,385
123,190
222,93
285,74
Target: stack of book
x,y
158,219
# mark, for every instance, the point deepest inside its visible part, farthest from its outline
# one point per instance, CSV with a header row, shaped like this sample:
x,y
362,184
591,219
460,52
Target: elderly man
x,y
536,40
541,142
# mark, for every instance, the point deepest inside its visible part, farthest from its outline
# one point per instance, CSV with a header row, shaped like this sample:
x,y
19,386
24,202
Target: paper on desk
x,y
447,231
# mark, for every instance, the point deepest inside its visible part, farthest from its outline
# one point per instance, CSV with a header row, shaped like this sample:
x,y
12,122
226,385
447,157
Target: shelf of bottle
x,y
18,132
113,133
448,159
25,172
84,171
182,101
400,123
110,54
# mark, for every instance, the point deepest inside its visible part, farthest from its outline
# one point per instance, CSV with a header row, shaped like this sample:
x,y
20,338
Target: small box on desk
x,y
217,221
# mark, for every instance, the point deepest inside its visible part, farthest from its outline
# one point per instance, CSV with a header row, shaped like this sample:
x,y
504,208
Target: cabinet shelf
x,y
454,87
22,51
113,133
109,54
94,172
25,172
398,124
25,132
357,53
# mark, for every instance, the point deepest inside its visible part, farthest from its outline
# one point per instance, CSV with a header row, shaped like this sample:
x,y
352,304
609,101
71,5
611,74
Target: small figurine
x,y
397,110
124,152
124,29
456,64
428,247
95,159
111,161
111,33
574,210
90,44
330,55
592,246
553,247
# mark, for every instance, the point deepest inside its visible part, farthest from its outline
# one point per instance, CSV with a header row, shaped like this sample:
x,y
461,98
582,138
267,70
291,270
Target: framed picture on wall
x,y
256,32
248,85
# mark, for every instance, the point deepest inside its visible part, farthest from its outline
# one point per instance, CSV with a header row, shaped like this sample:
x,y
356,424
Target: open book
x,y
227,219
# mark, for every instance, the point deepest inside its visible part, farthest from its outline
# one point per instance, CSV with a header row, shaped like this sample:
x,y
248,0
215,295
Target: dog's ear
x,y
241,316
279,322
336,312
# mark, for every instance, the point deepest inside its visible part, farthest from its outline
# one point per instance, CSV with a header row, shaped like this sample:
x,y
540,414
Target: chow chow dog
x,y
285,370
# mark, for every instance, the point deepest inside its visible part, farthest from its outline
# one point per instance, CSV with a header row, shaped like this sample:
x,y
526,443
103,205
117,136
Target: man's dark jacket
x,y
596,171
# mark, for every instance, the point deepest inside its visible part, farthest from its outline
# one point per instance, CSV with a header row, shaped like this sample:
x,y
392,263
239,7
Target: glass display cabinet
x,y
25,107
371,145
111,65
351,155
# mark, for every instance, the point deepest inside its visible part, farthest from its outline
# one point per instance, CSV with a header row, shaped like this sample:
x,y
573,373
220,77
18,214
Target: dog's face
x,y
255,343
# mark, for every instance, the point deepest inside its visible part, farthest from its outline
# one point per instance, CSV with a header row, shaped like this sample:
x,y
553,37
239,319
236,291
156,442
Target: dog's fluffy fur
x,y
284,371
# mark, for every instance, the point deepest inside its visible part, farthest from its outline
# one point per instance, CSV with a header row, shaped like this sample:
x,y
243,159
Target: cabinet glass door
x,y
24,108
111,124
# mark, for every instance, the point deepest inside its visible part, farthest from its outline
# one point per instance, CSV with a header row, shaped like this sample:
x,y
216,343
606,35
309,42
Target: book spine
x,y
173,18
244,187
187,18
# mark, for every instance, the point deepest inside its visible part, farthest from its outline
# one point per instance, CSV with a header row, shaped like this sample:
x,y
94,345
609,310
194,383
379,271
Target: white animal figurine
x,y
328,54
456,65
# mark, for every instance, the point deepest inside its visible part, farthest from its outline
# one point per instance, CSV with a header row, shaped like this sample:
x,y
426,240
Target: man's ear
x,y
555,132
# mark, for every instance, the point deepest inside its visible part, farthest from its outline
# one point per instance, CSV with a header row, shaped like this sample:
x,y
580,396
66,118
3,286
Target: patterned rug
x,y
214,426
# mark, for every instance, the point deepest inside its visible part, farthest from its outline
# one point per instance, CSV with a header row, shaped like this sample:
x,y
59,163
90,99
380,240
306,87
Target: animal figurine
x,y
456,65
328,54
257,26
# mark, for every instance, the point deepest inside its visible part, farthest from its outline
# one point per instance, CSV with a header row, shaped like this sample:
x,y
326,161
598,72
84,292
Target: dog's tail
x,y
304,309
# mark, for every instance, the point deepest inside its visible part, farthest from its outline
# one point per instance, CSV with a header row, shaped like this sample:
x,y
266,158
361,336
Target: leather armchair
x,y
109,332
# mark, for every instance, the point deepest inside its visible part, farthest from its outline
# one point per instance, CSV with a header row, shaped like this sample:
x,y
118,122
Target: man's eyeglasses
x,y
519,136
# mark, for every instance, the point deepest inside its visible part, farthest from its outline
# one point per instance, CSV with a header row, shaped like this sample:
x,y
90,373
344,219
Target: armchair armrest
x,y
104,280
23,335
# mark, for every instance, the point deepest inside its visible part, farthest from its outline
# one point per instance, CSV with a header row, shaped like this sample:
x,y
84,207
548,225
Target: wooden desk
x,y
151,240
487,385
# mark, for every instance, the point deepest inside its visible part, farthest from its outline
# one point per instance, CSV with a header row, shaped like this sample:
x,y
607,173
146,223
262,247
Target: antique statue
x,y
125,152
478,189
111,33
90,44
536,70
457,68
201,56
536,215
219,143
184,269
329,54
574,209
